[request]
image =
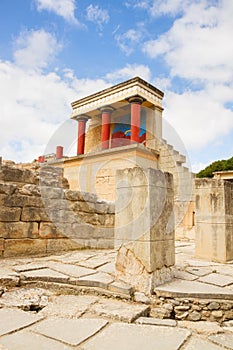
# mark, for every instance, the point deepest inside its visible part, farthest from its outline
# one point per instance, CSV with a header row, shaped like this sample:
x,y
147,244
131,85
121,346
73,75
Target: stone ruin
x,y
39,215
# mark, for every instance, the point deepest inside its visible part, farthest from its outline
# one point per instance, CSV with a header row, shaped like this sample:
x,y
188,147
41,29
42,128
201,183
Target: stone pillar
x,y
135,117
144,227
106,123
81,134
214,220
59,152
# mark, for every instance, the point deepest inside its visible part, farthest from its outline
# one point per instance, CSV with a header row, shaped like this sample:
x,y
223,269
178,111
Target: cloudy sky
x,y
53,52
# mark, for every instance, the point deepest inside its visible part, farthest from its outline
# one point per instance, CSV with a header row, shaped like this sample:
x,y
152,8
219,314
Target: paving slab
x,y
201,263
201,327
69,331
15,319
109,268
29,267
68,306
192,289
45,275
121,288
71,270
156,321
119,310
225,339
183,275
197,343
217,279
95,262
100,279
137,337
225,270
25,340
199,271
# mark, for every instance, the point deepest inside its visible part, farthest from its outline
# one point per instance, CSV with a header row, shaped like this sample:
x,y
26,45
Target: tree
x,y
219,165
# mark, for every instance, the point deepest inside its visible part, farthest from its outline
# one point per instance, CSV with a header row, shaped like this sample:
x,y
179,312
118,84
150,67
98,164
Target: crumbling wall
x,y
39,215
214,219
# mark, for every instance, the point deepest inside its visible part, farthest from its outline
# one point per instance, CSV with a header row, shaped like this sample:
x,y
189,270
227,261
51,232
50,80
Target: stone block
x,y
49,230
24,247
19,229
18,200
10,174
10,214
30,190
34,214
7,189
52,192
1,244
62,244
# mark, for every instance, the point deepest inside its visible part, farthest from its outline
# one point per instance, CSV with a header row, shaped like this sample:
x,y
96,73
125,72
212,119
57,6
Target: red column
x,y
106,123
81,135
135,118
59,152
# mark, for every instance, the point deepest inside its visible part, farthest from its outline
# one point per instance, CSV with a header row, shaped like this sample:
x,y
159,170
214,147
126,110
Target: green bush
x,y
219,165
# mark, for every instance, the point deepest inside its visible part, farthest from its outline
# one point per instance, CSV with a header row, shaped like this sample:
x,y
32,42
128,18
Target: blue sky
x,y
53,52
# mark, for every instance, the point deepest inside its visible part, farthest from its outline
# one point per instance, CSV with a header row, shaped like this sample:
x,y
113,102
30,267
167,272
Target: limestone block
x,y
7,189
52,192
10,214
19,229
24,247
30,190
62,244
34,214
80,196
49,230
10,174
83,206
18,200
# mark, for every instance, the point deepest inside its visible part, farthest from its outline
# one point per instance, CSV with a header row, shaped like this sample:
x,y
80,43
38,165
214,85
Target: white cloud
x,y
198,118
97,15
198,50
63,8
35,49
130,71
199,44
128,40
32,102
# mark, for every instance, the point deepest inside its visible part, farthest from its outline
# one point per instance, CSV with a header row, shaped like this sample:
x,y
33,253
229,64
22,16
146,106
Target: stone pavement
x,y
73,301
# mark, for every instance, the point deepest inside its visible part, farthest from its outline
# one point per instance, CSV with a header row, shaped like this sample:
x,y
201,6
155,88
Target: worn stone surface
x,y
15,320
25,340
197,343
71,270
70,331
68,306
217,279
8,277
225,340
44,275
27,246
194,289
119,310
99,279
201,327
132,337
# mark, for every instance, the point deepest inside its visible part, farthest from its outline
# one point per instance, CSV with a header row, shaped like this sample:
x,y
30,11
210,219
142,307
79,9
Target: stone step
x,y
193,289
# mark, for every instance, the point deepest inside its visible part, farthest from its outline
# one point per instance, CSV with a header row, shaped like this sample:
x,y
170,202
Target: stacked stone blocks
x,y
40,215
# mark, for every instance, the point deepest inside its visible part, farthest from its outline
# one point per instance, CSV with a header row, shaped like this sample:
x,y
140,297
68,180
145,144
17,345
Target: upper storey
x,y
117,96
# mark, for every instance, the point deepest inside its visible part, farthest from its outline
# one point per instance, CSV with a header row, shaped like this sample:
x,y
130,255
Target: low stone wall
x,y
39,215
193,309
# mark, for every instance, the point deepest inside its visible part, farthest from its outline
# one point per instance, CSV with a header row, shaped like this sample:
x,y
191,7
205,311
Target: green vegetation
x,y
219,165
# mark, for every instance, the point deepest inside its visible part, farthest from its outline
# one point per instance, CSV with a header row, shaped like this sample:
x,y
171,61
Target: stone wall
x,y
214,220
40,215
192,309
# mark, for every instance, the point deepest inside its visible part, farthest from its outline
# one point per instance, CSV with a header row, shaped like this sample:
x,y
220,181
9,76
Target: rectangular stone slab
x,y
71,332
13,319
25,340
134,337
